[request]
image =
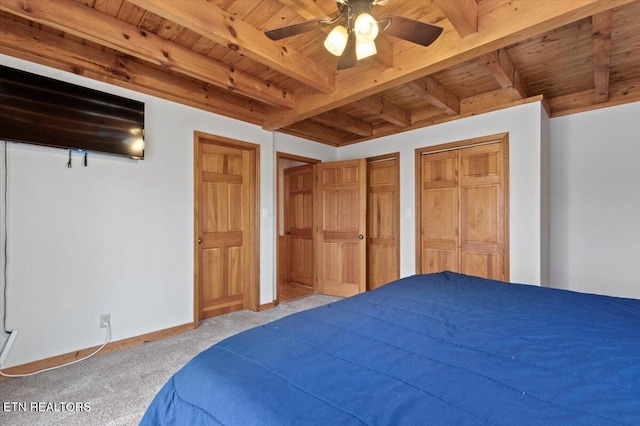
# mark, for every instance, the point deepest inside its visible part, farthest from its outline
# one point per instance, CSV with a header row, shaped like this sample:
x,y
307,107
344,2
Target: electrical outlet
x,y
104,320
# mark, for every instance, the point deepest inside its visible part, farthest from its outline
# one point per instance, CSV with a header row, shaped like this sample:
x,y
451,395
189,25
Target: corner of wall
x,y
545,196
3,336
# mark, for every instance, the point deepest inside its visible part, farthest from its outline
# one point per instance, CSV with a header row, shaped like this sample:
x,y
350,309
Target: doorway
x,y
342,225
295,243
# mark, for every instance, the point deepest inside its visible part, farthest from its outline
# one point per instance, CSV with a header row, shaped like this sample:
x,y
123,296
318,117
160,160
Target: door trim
x,y
502,138
252,288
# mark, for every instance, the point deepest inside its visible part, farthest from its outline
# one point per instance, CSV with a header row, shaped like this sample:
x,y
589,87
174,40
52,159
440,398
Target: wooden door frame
x,y
502,138
252,288
279,157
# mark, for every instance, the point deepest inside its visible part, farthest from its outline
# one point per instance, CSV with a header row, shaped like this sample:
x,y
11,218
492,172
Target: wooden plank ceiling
x,y
574,55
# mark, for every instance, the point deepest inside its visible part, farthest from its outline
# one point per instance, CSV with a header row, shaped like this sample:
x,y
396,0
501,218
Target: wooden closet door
x,y
341,225
463,224
482,206
439,216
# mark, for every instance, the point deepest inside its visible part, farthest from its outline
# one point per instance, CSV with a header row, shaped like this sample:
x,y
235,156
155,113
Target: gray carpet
x,y
119,386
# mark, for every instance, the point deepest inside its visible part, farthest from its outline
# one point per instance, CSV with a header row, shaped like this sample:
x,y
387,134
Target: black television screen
x,y
43,111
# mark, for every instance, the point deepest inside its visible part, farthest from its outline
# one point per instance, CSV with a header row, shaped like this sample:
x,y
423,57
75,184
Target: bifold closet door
x,y
463,218
439,216
482,206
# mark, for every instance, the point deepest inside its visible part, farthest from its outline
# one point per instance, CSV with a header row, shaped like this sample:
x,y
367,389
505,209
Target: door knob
x,y
361,236
199,240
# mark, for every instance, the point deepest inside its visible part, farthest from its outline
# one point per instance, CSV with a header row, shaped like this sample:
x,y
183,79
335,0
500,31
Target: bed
x,y
428,349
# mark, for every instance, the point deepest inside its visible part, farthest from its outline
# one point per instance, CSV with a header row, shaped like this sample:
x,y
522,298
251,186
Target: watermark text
x,y
14,406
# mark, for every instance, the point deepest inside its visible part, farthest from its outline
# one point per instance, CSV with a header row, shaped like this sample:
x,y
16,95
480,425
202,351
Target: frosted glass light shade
x,y
336,40
364,50
366,28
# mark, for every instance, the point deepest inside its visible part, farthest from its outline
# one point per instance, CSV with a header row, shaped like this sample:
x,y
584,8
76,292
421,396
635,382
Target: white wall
x,y
595,201
115,237
525,126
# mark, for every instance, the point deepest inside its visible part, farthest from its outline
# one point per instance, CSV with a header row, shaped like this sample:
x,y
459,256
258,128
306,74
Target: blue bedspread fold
x,y
429,349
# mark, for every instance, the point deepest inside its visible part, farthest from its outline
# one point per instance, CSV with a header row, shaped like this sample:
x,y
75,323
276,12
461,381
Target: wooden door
x,y
439,212
383,203
463,208
341,227
298,224
225,228
482,207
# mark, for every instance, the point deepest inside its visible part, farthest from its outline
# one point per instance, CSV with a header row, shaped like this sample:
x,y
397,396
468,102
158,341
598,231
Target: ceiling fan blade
x,y
295,29
412,30
348,58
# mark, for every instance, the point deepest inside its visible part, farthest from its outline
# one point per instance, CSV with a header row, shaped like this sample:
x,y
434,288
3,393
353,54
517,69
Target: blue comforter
x,y
425,350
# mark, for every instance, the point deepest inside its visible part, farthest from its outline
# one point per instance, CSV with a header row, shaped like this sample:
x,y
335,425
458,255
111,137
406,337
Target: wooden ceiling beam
x,y
29,43
425,114
619,93
211,22
385,110
500,24
383,60
484,101
312,9
311,130
342,121
601,32
463,15
506,74
434,116
429,89
82,21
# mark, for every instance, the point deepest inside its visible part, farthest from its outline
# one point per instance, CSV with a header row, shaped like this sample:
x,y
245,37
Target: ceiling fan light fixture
x,y
336,41
354,38
366,28
365,49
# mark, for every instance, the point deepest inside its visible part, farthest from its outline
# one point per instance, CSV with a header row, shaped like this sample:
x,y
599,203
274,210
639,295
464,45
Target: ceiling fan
x,y
353,38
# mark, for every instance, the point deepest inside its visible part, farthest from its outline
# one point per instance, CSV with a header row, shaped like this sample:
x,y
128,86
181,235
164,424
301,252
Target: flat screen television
x,y
43,111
